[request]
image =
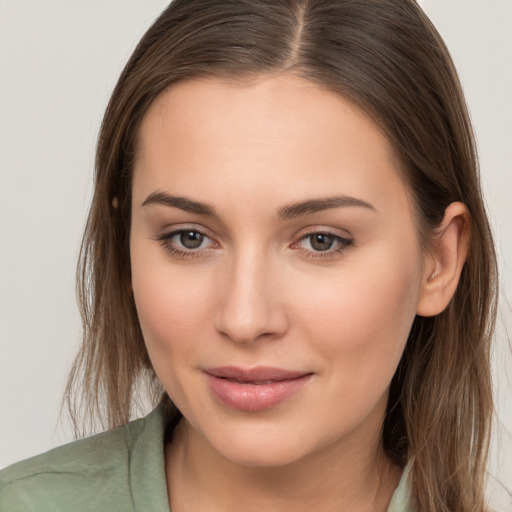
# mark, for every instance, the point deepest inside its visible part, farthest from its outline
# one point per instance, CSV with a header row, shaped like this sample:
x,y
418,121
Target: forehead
x,y
279,136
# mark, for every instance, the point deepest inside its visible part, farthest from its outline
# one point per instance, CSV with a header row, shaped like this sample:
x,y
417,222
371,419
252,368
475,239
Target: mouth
x,y
254,389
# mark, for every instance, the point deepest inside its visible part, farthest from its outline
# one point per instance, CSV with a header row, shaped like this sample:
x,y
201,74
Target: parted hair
x,y
387,58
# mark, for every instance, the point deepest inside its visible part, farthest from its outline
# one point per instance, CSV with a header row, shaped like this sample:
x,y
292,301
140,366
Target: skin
x,y
257,292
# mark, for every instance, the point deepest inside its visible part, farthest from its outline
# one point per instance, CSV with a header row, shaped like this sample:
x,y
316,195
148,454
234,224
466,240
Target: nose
x,y
251,305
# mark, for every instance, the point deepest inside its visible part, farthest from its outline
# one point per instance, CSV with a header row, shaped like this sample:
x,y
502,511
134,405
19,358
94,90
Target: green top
x,y
119,470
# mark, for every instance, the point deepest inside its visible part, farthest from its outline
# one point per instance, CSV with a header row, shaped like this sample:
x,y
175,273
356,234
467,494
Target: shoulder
x,y
88,474
402,501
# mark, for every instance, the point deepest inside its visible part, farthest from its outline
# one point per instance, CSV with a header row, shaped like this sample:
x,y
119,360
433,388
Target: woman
x,y
287,248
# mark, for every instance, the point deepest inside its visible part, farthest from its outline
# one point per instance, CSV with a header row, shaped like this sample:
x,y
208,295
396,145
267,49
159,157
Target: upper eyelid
x,y
171,234
169,231
333,235
311,230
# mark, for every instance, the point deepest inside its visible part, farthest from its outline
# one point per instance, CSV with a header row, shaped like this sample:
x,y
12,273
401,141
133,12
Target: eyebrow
x,y
316,205
183,203
289,211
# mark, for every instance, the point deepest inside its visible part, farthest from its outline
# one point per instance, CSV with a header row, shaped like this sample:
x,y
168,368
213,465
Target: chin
x,y
257,457
276,446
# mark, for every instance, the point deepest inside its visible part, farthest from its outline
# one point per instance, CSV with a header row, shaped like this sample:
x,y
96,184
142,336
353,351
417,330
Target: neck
x,y
338,477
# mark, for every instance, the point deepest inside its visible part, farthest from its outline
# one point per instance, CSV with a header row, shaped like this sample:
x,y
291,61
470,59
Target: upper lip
x,y
256,374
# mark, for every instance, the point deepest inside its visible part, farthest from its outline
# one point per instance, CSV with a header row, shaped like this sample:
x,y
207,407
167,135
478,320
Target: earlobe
x,y
445,261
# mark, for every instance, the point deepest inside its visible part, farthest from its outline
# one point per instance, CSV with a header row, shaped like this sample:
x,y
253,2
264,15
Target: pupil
x,y
191,239
321,242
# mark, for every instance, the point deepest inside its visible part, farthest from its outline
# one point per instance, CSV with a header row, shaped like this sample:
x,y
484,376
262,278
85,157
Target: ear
x,y
444,261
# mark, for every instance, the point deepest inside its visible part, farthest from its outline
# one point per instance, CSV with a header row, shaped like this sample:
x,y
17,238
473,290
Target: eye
x,y
322,244
320,241
186,242
190,239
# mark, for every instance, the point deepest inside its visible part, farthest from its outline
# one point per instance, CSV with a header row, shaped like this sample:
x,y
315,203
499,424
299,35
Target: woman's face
x,y
276,266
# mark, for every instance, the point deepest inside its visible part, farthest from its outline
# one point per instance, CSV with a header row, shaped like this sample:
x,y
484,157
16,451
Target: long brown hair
x,y
386,57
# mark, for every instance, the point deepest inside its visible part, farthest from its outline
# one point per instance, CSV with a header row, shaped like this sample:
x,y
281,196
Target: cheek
x,y
172,306
173,314
362,318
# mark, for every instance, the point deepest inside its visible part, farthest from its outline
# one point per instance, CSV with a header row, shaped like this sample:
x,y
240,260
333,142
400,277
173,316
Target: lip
x,y
254,389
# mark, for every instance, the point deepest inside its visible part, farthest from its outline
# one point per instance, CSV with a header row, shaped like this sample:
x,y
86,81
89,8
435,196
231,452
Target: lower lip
x,y
254,397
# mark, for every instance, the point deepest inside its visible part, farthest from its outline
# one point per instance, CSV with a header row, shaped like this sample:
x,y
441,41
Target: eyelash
x,y
343,245
166,241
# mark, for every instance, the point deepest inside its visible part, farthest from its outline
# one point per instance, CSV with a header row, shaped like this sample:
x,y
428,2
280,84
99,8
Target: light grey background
x,y
59,60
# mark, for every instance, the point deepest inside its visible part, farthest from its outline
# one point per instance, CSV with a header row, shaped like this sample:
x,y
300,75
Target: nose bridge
x,y
251,305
